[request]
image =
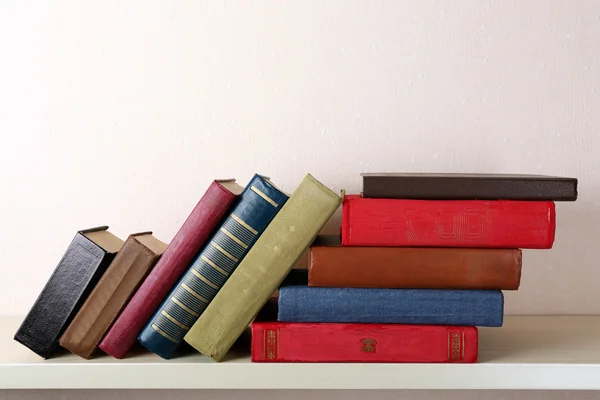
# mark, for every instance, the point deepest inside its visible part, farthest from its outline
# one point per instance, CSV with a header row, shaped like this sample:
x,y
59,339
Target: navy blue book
x,y
259,203
391,306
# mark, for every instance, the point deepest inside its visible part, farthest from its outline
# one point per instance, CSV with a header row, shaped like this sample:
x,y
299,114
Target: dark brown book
x,y
413,267
120,281
430,186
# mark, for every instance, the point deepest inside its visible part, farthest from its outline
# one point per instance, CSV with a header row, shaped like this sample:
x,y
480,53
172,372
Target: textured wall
x,y
121,113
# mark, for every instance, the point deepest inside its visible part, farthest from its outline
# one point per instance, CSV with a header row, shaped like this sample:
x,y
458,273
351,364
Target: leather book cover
x,y
431,186
363,343
210,269
391,306
414,267
206,216
120,281
265,266
85,260
448,223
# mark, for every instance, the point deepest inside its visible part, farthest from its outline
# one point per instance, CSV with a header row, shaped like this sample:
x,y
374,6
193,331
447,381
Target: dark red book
x,y
200,224
306,342
448,223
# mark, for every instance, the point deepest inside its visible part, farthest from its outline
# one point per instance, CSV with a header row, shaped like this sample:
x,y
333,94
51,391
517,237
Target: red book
x,y
448,223
305,342
200,224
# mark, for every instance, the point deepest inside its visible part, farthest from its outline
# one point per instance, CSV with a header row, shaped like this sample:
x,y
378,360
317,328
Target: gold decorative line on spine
x,y
186,308
242,223
173,320
196,295
238,241
205,280
222,250
463,345
215,266
164,334
449,346
264,196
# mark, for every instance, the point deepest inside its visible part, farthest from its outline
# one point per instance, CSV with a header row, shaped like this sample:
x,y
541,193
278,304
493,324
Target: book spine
x,y
77,273
364,343
211,268
194,232
391,306
439,223
258,276
468,188
110,295
414,268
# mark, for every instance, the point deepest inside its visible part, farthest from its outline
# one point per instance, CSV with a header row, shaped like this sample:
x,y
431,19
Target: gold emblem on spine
x,y
455,346
368,345
271,344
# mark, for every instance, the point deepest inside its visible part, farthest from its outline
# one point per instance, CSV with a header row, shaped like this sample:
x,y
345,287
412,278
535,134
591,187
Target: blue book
x,y
259,203
391,306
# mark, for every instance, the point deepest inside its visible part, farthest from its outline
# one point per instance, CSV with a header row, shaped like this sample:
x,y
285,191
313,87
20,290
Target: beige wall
x,y
121,113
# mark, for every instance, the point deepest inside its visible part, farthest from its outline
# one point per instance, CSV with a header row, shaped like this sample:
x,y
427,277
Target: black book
x,y
80,268
428,186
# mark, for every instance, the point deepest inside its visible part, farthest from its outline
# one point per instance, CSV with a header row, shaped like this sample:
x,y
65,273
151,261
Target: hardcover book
x,y
391,306
80,268
199,225
451,223
258,276
124,275
211,268
332,265
363,343
428,186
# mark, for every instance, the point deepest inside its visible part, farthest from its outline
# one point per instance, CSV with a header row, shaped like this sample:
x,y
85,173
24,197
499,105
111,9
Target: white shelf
x,y
545,352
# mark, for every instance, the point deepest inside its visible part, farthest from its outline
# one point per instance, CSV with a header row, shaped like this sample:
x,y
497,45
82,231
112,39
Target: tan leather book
x,y
120,281
331,265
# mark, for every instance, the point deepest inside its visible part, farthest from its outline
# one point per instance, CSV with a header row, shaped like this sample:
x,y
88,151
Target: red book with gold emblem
x,y
381,343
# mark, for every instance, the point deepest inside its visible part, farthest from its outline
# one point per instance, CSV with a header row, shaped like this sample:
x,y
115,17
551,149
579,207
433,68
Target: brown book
x,y
331,265
120,281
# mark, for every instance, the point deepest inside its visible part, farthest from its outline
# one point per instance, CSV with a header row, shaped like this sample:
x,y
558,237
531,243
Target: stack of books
x,y
422,262
419,264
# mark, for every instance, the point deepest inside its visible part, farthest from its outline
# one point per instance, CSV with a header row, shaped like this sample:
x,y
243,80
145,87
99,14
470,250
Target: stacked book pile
x,y
421,262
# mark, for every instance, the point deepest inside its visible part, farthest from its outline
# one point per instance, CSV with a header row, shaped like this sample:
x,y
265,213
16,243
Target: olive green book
x,y
263,269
